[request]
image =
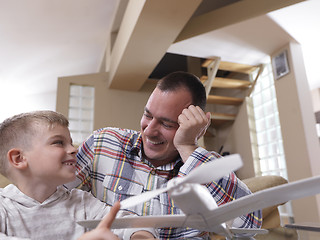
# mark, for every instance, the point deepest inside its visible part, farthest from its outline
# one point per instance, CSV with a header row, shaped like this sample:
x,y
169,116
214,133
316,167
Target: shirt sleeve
x,y
225,190
3,226
5,237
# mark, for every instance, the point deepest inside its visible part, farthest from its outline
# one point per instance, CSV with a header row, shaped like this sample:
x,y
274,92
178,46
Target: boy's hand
x,y
102,231
142,235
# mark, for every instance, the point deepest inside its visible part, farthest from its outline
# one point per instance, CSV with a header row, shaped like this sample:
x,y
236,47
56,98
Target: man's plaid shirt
x,y
111,166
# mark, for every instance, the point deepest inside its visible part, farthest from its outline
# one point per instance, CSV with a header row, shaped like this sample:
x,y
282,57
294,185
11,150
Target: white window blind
x,y
267,125
268,149
81,112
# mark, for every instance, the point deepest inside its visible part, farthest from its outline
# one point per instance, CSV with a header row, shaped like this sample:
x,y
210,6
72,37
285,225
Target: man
x,y
115,164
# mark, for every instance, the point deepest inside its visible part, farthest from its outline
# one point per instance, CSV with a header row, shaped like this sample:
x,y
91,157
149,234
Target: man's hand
x,y
102,231
193,123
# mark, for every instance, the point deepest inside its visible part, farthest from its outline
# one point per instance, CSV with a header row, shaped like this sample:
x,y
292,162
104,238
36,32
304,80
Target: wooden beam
x,y
212,70
228,83
219,119
231,14
237,67
233,67
222,116
224,100
147,30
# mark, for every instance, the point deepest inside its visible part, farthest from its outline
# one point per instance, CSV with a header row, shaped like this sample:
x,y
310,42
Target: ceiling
x,y
42,40
252,41
302,21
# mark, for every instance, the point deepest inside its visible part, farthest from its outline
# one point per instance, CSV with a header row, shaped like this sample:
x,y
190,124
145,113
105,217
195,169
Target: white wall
x,y
18,101
113,108
315,94
301,145
239,141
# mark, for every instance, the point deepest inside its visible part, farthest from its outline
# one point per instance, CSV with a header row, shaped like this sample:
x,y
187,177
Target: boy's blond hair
x,y
17,131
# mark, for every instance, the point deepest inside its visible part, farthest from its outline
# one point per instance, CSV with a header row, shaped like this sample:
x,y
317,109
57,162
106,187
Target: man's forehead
x,y
179,96
161,117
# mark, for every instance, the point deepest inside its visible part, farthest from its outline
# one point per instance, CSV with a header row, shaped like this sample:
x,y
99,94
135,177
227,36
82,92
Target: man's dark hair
x,y
177,80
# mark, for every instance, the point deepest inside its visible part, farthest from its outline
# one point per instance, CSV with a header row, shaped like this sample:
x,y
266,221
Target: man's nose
x,y
152,127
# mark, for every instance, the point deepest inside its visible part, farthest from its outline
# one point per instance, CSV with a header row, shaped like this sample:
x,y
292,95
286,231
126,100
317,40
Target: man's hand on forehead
x,y
193,122
194,114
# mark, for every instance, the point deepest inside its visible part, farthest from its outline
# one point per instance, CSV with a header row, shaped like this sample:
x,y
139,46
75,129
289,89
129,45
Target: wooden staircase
x,y
227,84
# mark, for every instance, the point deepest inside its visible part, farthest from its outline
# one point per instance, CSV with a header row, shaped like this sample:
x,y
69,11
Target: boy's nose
x,y
72,150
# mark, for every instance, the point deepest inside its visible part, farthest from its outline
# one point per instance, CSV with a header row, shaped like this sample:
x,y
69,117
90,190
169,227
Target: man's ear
x,y
16,158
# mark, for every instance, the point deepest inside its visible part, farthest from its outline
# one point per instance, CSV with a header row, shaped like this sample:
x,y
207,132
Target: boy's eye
x,y
58,142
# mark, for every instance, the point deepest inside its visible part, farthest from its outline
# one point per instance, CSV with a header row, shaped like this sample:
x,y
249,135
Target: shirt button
x,y
120,188
153,172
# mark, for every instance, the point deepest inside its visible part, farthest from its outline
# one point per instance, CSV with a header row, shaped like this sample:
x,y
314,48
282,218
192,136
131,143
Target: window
x,y
267,126
81,112
268,152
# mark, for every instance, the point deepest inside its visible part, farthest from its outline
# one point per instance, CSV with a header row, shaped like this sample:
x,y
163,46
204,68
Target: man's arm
x,y
224,190
193,123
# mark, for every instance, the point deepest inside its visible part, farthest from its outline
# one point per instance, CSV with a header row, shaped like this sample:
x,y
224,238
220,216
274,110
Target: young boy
x,y
37,156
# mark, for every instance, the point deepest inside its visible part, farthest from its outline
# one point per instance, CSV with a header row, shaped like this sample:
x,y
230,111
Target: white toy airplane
x,y
207,216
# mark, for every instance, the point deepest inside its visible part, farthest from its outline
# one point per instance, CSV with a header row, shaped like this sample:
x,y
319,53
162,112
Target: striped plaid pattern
x,y
111,166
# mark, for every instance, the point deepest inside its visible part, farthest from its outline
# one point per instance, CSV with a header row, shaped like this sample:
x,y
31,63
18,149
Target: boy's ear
x,y
16,158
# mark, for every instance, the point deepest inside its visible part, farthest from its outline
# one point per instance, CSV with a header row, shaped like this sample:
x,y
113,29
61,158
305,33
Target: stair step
x,y
207,62
223,116
219,119
224,100
219,82
233,67
237,67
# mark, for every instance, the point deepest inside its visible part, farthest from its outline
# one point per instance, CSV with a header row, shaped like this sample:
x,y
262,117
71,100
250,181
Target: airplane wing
x,y
175,221
211,220
265,198
143,221
160,221
251,231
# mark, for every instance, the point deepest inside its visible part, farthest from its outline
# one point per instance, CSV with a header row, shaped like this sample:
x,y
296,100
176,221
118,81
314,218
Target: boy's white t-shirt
x,y
22,217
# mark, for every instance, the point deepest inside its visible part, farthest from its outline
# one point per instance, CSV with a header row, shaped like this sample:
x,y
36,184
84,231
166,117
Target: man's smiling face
x,y
159,124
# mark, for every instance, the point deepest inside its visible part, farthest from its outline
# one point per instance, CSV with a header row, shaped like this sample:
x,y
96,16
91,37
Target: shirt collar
x,y
136,149
136,139
12,192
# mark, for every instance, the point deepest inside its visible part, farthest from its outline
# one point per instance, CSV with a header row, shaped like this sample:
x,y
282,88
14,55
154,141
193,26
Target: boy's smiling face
x,y
51,158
